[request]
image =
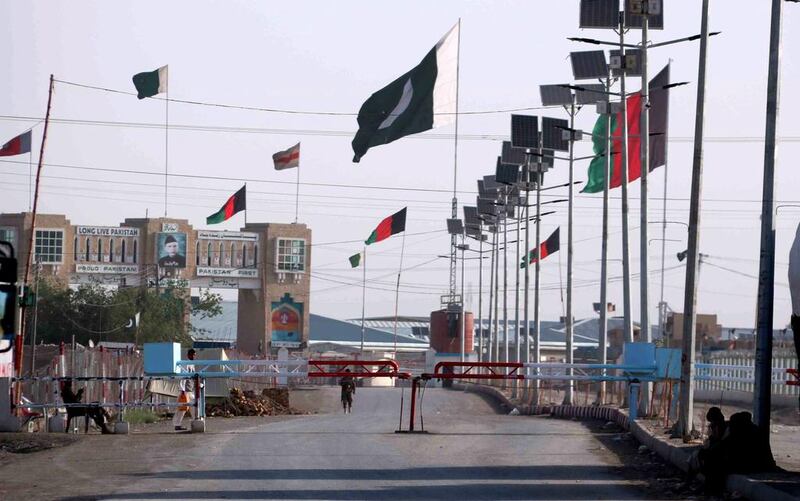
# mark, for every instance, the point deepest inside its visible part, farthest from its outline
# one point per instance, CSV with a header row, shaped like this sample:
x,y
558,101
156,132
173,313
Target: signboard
x,y
205,271
107,268
237,236
171,250
175,283
169,227
106,231
117,279
286,322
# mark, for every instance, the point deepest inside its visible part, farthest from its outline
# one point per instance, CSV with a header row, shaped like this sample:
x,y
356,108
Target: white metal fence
x,y
735,371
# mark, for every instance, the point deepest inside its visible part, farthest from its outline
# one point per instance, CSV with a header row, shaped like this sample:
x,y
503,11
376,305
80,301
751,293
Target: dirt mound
x,y
271,402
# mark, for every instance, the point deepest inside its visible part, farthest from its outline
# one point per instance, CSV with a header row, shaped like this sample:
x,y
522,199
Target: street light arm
x,y
600,42
685,39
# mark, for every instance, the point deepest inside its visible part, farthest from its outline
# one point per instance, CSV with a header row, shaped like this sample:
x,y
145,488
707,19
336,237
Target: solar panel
x,y
633,60
473,231
555,95
455,227
552,134
511,155
548,157
656,21
491,184
471,216
589,64
599,14
524,131
506,173
486,207
592,94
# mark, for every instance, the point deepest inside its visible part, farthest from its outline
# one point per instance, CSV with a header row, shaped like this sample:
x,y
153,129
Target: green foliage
x,y
140,416
101,313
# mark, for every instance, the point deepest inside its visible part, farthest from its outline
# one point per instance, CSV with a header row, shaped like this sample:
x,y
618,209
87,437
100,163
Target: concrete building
x,y
268,263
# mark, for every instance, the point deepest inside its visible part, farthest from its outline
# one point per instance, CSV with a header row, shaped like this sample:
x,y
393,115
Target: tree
x,y
101,313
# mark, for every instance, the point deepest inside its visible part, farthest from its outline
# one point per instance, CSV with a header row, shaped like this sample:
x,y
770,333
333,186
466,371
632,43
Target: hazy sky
x,y
326,56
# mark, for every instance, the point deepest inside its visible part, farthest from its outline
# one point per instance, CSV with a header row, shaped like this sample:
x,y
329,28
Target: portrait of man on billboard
x,y
172,250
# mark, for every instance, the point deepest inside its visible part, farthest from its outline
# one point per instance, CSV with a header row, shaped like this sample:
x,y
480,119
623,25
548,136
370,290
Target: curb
x,y
676,455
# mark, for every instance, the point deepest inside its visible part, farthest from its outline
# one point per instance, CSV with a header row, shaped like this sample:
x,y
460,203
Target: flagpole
x,y
516,295
537,353
297,196
603,334
166,145
490,337
363,299
644,167
397,293
19,346
30,179
245,208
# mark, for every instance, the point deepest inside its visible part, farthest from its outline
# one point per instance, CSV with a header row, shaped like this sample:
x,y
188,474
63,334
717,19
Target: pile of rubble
x,y
271,402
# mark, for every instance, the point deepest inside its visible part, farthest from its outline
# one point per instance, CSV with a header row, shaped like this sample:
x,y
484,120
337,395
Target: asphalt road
x,y
470,452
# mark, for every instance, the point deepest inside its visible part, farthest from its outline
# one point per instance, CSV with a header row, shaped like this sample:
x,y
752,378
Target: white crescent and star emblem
x,y
400,107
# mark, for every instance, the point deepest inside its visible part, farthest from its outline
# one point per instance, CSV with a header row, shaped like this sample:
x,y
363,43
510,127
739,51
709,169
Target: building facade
x,y
268,263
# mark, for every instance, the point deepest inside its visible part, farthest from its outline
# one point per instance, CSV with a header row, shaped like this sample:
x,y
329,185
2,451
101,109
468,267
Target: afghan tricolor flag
x,y
150,83
388,227
288,158
659,111
237,202
17,146
423,98
549,246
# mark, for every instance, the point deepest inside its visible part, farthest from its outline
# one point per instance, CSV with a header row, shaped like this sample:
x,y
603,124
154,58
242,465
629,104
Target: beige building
x,y
268,263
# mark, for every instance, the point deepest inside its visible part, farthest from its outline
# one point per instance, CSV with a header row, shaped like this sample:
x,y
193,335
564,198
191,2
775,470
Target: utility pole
x,y
569,326
526,307
536,320
685,423
626,254
603,337
766,271
480,293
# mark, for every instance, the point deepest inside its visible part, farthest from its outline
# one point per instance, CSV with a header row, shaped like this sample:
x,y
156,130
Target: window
x,y
110,250
9,235
135,249
197,253
291,255
122,254
86,255
99,249
208,254
49,246
75,249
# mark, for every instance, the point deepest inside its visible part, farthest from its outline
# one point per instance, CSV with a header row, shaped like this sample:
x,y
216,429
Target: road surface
x,y
471,452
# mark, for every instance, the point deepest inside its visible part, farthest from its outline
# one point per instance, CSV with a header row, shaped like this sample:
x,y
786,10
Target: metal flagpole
x,y
517,350
766,272
454,208
505,278
570,333
480,293
489,340
603,337
166,145
645,335
685,420
626,255
363,298
537,356
496,347
526,306
397,292
297,197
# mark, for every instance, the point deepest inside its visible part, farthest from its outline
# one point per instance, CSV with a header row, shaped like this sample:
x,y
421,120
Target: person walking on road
x,y
186,396
348,385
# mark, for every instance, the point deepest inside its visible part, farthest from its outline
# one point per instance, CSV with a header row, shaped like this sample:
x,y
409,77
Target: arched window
x,y
208,254
232,256
221,254
255,254
197,253
88,247
244,254
99,249
75,249
135,251
110,250
122,254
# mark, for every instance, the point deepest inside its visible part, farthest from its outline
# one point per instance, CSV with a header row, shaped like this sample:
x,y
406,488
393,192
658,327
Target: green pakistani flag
x,y
422,99
355,260
150,83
